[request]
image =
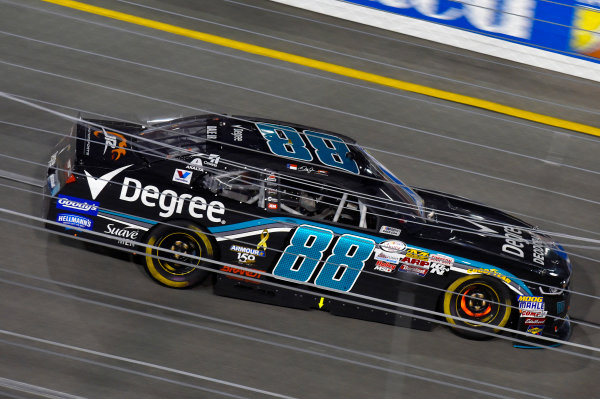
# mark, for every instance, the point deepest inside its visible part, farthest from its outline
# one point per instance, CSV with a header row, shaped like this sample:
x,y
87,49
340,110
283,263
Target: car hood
x,y
488,230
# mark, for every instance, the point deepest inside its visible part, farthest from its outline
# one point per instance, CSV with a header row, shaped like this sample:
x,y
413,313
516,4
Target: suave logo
x,y
507,17
170,202
124,232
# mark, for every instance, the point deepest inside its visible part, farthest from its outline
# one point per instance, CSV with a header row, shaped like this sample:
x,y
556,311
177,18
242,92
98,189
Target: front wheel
x,y
480,299
178,267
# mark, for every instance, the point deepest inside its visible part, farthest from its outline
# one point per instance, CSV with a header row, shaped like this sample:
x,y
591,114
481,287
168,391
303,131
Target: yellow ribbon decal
x,y
264,236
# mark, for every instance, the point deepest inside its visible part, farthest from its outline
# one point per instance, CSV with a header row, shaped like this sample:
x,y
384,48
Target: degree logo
x,y
98,184
182,176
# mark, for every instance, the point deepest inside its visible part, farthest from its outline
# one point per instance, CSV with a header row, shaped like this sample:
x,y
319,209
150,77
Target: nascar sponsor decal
x,y
531,303
195,164
532,309
389,230
533,313
79,205
490,272
417,254
211,132
170,202
232,271
125,233
75,220
213,160
238,133
535,330
307,169
182,176
438,268
538,249
414,269
514,242
246,250
535,321
245,259
440,264
416,262
264,236
110,140
397,247
387,256
385,266
441,259
97,184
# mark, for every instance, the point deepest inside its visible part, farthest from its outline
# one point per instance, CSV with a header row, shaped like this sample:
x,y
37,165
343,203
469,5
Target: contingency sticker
x,y
533,310
416,262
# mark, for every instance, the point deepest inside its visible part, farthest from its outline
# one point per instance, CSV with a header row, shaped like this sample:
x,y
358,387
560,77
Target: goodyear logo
x,y
490,272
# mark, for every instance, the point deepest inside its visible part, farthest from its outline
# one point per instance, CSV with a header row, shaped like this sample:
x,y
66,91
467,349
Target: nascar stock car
x,y
285,214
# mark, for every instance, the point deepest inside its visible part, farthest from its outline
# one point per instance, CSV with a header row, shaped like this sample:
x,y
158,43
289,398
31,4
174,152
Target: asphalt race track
x,y
86,322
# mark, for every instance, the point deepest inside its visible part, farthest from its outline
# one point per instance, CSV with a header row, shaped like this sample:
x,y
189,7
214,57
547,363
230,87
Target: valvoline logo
x,y
79,205
182,176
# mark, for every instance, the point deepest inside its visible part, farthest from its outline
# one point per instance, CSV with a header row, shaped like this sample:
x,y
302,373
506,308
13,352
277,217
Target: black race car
x,y
294,216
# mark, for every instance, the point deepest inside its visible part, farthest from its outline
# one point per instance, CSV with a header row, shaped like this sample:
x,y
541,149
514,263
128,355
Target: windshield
x,y
395,187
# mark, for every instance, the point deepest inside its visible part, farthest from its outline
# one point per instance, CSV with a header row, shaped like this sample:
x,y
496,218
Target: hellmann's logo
x,y
170,202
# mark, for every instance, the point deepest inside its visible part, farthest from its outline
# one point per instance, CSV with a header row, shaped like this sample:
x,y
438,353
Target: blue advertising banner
x,y
568,27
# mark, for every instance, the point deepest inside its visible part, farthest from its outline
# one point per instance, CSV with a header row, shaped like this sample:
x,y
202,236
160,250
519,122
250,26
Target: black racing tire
x,y
477,298
178,270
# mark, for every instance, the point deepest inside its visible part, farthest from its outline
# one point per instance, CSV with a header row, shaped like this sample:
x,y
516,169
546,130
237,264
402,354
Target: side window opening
x,y
329,204
266,190
239,185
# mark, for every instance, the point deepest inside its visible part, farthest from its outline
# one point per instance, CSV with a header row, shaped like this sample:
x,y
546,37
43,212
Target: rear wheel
x,y
479,299
171,258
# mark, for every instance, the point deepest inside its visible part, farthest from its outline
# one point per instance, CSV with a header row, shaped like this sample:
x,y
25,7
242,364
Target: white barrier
x,y
452,37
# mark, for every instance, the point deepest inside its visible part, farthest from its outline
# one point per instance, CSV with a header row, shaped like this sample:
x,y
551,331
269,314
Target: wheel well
x,y
511,293
178,222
